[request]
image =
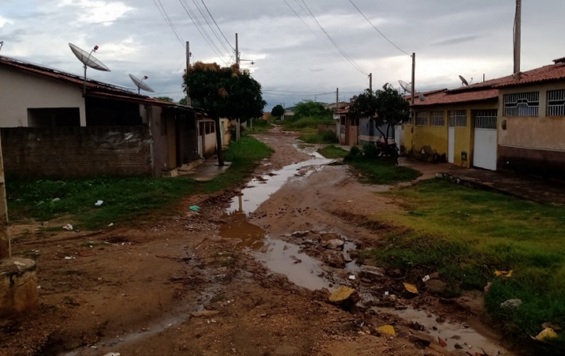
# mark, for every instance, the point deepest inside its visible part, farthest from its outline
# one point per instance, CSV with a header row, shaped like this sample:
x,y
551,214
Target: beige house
x,y
55,124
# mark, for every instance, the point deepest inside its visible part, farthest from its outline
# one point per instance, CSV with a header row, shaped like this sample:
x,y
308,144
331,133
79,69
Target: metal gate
x,y
485,145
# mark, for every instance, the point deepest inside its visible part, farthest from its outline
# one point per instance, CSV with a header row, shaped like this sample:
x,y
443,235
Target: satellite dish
x,y
140,84
421,96
87,59
406,86
463,80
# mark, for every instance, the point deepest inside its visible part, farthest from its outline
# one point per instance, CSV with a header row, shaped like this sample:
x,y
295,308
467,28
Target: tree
x,y
311,109
385,107
165,98
224,92
278,111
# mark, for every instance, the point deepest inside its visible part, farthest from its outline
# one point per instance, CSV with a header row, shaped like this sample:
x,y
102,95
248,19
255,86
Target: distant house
x,y
55,124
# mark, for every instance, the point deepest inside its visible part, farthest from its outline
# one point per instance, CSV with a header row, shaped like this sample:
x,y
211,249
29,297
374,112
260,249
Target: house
x,y
348,132
56,124
514,122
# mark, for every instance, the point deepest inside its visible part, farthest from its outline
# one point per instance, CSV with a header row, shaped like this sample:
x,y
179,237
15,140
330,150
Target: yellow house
x,y
456,126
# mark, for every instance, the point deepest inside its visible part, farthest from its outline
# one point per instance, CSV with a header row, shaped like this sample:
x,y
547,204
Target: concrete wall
x,y
20,91
532,145
62,152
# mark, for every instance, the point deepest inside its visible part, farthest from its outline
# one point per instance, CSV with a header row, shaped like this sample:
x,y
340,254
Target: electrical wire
x,y
214,32
167,19
379,31
202,30
218,27
349,59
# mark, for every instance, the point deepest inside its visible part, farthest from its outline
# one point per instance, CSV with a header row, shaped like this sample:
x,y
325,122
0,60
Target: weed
x,y
332,151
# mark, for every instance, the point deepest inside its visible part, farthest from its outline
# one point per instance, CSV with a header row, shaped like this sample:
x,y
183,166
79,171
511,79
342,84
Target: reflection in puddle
x,y
452,333
261,188
284,258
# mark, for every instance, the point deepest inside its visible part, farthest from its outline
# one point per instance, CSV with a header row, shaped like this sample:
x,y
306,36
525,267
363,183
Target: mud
x,y
249,280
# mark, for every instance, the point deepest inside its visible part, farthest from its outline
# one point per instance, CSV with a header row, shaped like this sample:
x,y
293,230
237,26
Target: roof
x,y
454,97
94,88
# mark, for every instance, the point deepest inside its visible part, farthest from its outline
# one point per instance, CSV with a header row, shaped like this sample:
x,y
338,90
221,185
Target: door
x,y
451,144
485,145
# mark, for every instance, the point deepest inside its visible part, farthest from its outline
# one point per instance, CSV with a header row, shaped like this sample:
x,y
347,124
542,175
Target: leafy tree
x,y
165,98
183,101
311,109
278,111
385,107
224,92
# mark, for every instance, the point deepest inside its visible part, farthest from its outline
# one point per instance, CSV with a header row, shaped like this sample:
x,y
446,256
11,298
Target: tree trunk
x,y
219,150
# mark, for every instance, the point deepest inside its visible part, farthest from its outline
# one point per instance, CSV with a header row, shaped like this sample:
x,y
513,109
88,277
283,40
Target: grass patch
x,y
125,198
259,126
326,137
466,234
306,123
332,151
382,171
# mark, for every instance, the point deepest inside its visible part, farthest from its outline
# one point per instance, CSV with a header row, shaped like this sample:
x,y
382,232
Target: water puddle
x,y
456,335
259,189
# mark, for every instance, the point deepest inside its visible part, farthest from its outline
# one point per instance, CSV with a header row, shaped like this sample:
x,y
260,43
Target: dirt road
x,y
223,282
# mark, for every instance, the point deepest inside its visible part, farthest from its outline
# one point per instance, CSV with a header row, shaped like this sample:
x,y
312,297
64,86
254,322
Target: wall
x,y
64,152
431,139
20,91
532,145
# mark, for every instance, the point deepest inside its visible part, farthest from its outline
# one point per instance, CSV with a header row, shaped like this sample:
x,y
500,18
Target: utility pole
x,y
236,50
413,76
371,82
517,38
5,248
188,54
336,100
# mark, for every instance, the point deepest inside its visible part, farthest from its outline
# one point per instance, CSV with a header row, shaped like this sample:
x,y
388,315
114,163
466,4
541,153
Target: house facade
x,y
55,124
513,123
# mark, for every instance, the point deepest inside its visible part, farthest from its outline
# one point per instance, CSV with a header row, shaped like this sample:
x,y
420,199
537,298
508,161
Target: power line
x,y
215,23
202,31
376,29
349,59
203,14
168,20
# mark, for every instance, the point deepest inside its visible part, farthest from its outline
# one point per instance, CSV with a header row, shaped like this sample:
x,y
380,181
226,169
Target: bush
x,y
354,153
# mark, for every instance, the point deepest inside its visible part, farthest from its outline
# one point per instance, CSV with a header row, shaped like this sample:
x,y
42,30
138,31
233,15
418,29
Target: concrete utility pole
x,y
5,248
517,38
413,77
236,50
336,100
371,81
188,54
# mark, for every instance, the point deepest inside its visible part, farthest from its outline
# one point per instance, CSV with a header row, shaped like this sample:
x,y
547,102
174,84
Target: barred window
x,y
521,104
437,118
485,119
457,118
422,118
556,102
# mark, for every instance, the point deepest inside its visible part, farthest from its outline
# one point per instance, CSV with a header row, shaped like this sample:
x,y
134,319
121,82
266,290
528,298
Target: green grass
x,y
382,171
332,151
125,198
306,123
259,126
325,137
466,234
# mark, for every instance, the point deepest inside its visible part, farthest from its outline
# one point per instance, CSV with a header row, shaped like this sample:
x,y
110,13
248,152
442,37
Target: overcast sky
x,y
301,49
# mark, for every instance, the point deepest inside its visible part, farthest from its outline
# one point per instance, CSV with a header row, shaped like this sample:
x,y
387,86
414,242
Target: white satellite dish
x,y
463,80
406,86
140,84
88,60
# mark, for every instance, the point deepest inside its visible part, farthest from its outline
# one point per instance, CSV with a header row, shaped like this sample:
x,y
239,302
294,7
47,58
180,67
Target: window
x,y
556,102
485,119
457,118
421,119
437,118
521,104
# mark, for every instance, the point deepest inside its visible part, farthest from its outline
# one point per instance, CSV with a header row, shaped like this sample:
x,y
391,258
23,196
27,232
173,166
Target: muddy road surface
x,y
251,273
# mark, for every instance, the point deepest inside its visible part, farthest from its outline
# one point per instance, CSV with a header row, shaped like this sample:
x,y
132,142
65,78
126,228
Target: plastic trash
x,y
387,330
68,227
194,208
99,203
426,278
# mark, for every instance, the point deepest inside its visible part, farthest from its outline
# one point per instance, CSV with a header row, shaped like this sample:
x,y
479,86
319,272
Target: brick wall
x,y
64,152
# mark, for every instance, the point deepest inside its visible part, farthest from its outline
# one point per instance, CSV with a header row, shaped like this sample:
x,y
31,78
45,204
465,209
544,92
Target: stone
x,y
333,259
436,286
344,295
18,286
372,273
333,244
511,303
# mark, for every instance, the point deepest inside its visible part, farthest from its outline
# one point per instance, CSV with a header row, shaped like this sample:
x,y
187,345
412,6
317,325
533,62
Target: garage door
x,y
485,145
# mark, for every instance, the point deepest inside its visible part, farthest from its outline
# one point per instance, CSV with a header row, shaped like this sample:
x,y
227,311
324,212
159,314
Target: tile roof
x,y
95,88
